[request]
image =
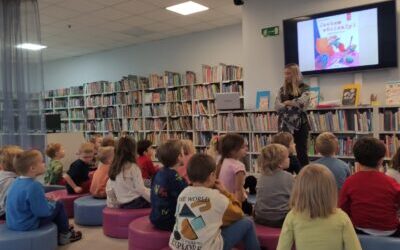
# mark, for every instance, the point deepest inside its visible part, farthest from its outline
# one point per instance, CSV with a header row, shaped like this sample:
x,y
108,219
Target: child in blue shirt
x,y
166,186
27,208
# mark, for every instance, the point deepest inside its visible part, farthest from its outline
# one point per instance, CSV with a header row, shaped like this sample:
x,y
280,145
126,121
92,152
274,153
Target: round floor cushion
x,y
116,221
144,236
369,242
66,199
43,238
88,211
268,236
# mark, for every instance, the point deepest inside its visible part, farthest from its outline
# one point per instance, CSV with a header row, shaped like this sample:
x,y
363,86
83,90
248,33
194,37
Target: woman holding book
x,y
291,104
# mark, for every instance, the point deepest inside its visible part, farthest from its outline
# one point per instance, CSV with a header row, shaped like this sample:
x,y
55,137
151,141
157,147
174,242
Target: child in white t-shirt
x,y
208,216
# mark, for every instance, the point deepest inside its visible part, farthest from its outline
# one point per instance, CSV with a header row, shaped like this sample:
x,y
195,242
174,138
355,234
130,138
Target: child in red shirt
x,y
146,152
369,197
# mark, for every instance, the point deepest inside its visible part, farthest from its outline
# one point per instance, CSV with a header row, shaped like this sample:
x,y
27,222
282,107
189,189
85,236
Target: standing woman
x,y
291,104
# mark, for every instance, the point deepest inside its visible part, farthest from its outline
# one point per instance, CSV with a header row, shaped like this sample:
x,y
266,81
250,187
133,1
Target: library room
x,y
175,124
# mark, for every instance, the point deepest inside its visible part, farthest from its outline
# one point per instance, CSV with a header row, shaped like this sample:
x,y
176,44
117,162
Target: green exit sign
x,y
270,31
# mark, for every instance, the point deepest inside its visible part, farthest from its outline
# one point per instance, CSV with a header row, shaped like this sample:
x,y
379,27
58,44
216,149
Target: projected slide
x,y
339,41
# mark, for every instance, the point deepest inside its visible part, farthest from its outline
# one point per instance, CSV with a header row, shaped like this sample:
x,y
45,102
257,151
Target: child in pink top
x,y
230,171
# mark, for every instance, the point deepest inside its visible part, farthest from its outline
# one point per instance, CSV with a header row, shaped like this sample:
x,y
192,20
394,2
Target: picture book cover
x,y
392,92
314,96
351,94
336,41
262,101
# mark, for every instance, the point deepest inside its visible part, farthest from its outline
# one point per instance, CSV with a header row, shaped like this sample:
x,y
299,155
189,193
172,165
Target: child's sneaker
x,y
71,236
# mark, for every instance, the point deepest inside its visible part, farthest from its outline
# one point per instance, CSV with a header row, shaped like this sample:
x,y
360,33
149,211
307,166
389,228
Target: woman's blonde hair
x,y
271,157
292,87
187,147
315,192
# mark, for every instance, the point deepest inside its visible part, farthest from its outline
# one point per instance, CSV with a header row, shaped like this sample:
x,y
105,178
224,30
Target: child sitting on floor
x,y
208,216
7,174
273,187
314,221
327,145
145,162
27,207
125,187
54,172
188,151
77,177
286,139
167,185
370,197
100,177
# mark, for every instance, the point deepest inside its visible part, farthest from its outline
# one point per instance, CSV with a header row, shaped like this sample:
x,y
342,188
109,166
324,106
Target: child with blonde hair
x,y
8,174
54,172
188,151
125,187
100,177
27,207
327,145
213,148
77,177
314,221
286,139
273,187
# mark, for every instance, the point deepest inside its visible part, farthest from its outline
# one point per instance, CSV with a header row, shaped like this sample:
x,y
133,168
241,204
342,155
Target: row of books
x,y
134,124
48,104
93,88
206,91
180,109
94,101
127,83
341,120
155,97
263,121
232,122
210,74
182,123
76,90
259,141
77,126
204,108
155,110
77,114
233,87
156,124
63,114
155,81
231,72
206,123
60,103
157,137
392,144
76,102
202,139
180,135
180,94
172,79
389,120
56,92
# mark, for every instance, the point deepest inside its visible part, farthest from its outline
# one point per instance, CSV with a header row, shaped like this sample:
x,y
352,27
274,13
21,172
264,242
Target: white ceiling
x,y
77,27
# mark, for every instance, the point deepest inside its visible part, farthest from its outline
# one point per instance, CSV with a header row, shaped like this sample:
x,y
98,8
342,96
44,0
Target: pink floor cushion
x,y
66,199
116,221
2,221
144,236
268,236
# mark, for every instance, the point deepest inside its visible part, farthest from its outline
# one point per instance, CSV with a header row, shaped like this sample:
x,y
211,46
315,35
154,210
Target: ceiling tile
x,y
210,15
230,10
59,12
110,14
80,6
226,21
135,20
135,7
160,15
86,20
108,2
160,26
49,1
115,26
47,19
181,21
163,3
200,27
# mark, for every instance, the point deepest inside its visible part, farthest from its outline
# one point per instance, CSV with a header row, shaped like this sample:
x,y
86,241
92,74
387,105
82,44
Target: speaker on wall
x,y
238,2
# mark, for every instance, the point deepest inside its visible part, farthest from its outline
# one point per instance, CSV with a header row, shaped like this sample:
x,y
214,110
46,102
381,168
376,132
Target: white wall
x,y
178,54
264,57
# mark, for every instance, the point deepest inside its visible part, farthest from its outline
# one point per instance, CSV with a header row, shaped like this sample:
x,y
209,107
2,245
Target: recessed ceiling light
x,y
187,8
31,46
